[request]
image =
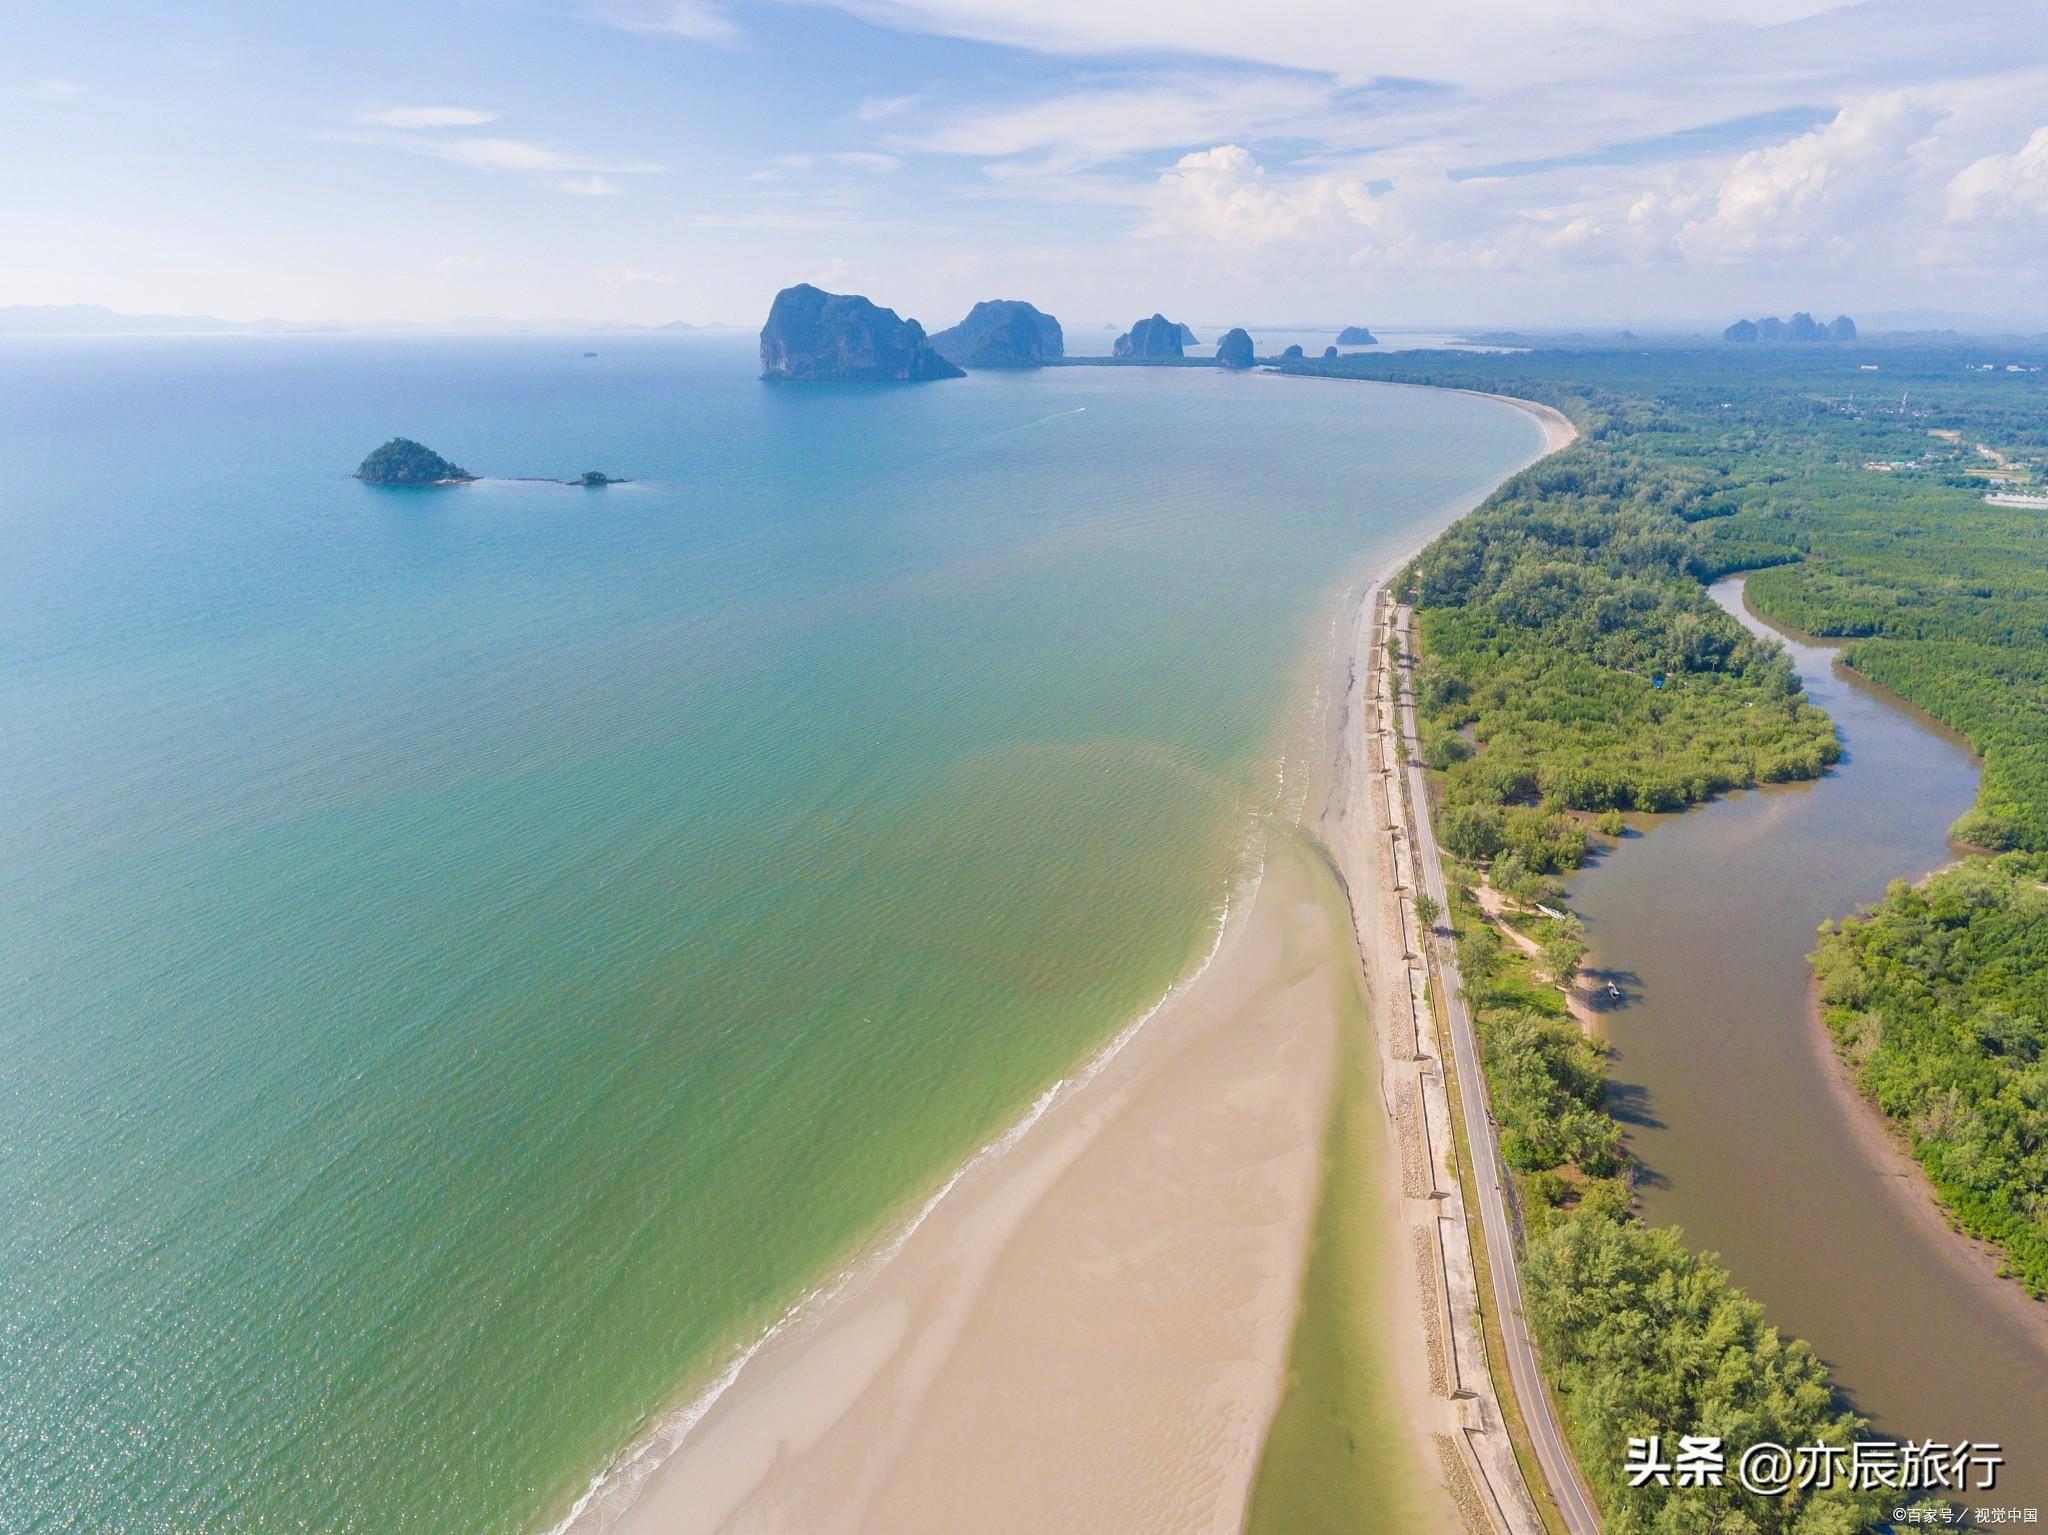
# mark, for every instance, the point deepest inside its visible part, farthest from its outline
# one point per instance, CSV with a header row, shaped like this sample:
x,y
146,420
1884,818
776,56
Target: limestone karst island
x,y
819,337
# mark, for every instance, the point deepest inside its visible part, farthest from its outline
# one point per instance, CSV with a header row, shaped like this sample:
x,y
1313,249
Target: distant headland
x,y
401,461
1801,327
818,337
1356,335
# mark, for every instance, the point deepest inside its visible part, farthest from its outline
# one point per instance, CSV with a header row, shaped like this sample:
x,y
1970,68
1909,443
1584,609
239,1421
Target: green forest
x,y
1640,1336
1572,667
1937,1000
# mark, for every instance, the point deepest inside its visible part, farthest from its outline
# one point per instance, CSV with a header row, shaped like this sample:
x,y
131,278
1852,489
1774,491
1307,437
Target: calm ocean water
x,y
472,956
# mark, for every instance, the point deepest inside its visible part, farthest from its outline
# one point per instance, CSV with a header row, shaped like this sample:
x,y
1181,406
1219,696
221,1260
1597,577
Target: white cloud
x,y
2003,185
447,265
1821,184
587,186
423,117
880,109
503,154
1224,195
1854,205
58,91
696,20
1085,127
1442,39
852,160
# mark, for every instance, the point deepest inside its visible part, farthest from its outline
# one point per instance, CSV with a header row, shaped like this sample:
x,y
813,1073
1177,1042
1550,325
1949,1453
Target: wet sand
x,y
1090,1334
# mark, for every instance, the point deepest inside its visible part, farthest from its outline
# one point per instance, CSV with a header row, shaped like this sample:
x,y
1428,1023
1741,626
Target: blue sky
x,y
1468,161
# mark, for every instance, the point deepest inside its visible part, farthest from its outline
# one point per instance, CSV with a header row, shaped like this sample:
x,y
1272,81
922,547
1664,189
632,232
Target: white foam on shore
x,y
617,1487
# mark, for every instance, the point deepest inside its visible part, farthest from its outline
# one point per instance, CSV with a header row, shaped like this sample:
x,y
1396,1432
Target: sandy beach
x,y
1090,1332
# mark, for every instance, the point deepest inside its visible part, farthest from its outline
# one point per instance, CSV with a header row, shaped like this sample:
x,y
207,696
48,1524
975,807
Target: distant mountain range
x,y
97,320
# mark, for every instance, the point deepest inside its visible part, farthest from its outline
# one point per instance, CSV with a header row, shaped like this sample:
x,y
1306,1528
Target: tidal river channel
x,y
1745,1138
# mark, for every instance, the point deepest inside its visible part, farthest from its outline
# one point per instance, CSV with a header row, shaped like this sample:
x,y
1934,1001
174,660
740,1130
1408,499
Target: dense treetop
x,y
401,461
1572,660
1938,1001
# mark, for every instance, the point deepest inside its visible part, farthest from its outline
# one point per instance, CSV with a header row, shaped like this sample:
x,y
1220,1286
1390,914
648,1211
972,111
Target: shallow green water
x,y
472,957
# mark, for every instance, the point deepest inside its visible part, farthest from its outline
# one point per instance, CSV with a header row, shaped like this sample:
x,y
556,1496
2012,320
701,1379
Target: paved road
x,y
1545,1432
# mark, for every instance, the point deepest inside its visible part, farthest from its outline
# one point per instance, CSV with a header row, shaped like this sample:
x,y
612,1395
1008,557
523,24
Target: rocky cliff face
x,y
1235,349
1156,337
817,336
1002,333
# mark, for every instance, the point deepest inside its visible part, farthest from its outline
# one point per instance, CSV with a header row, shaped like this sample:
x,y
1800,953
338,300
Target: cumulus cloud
x,y
423,117
1822,184
2003,185
1224,195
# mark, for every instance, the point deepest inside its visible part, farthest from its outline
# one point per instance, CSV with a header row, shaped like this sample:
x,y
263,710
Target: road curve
x,y
1553,1453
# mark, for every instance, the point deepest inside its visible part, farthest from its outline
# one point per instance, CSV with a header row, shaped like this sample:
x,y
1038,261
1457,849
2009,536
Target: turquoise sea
x,y
469,958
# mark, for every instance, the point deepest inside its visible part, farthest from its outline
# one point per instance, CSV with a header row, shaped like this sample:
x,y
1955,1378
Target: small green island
x,y
401,461
596,479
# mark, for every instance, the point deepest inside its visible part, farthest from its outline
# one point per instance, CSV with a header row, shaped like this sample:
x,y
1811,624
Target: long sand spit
x,y
1090,1330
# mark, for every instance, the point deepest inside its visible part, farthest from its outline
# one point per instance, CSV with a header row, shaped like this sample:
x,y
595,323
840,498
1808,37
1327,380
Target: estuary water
x,y
1722,1079
474,956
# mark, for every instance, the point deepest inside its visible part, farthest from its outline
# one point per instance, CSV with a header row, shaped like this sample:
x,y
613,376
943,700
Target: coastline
x,y
1128,1258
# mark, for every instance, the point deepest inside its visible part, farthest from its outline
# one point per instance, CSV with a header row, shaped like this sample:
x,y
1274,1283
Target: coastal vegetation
x,y
1575,664
1639,1335
1938,1001
401,461
1572,667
